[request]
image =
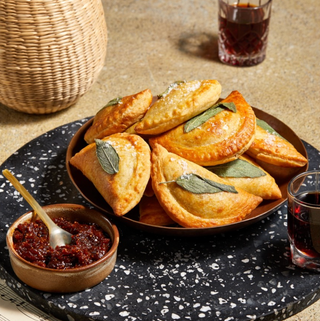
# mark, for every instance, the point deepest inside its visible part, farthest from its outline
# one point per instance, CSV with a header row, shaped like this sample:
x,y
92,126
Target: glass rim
x,y
299,176
246,8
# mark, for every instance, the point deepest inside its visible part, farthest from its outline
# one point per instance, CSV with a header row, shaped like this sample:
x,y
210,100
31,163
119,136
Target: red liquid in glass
x,y
243,33
299,227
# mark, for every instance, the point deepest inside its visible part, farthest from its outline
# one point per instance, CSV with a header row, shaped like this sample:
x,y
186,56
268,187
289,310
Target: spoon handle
x,y
27,196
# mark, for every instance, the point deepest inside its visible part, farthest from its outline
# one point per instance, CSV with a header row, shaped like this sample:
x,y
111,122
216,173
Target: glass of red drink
x,y
243,31
304,220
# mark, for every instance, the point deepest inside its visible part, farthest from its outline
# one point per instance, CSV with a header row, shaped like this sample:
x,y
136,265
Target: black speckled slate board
x,y
240,275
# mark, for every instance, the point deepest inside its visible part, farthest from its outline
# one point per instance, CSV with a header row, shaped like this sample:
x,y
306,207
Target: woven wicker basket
x,y
51,52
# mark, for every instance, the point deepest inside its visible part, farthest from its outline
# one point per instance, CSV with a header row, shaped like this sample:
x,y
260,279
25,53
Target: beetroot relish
x,y
89,244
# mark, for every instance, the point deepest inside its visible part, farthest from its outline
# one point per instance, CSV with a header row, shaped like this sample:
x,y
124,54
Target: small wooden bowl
x,y
69,280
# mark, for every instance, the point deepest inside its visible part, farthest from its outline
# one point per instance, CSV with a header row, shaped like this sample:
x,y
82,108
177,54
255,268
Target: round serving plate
x,y
245,273
89,192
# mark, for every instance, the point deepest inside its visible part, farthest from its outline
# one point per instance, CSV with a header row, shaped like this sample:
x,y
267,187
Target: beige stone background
x,y
154,43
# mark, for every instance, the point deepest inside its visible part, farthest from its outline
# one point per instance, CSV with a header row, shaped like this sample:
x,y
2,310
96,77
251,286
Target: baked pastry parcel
x,y
183,101
123,183
269,147
118,115
210,201
249,176
151,212
219,139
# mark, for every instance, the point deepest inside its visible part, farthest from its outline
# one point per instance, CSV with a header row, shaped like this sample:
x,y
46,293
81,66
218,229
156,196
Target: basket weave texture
x,y
51,52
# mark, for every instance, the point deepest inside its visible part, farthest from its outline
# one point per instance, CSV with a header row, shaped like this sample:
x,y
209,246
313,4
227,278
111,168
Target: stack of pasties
x,y
198,172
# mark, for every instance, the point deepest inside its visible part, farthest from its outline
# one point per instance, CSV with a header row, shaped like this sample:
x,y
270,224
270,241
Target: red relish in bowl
x,y
89,244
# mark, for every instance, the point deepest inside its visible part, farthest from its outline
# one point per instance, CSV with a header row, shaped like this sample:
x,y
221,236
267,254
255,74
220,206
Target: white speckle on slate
x,y
109,296
215,266
205,309
222,301
92,314
175,316
72,305
164,311
124,313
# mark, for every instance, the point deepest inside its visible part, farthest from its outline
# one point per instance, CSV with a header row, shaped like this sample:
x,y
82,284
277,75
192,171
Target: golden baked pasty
x,y
131,130
271,148
149,191
151,212
118,116
220,139
123,189
181,103
249,176
197,208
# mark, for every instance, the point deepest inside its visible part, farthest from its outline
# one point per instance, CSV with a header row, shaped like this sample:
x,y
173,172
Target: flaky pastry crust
x,y
263,186
180,104
195,210
151,212
117,118
275,150
123,190
219,140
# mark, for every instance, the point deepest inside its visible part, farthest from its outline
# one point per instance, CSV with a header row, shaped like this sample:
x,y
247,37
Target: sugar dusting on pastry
x,y
180,104
183,165
192,87
269,139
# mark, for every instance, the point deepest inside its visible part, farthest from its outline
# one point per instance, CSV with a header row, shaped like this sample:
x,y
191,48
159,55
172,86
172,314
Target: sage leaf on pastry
x,y
191,209
175,84
267,128
199,185
210,112
237,168
107,156
113,102
118,115
220,139
178,105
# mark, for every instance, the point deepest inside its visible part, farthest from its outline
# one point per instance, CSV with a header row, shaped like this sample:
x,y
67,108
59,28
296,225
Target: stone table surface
x,y
154,43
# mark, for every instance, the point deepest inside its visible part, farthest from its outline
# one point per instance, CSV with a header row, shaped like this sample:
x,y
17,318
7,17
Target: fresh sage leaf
x,y
173,85
237,168
114,101
267,128
231,106
207,114
110,103
107,156
199,185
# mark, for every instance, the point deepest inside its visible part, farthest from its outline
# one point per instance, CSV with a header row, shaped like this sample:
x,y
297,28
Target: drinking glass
x,y
304,219
243,31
